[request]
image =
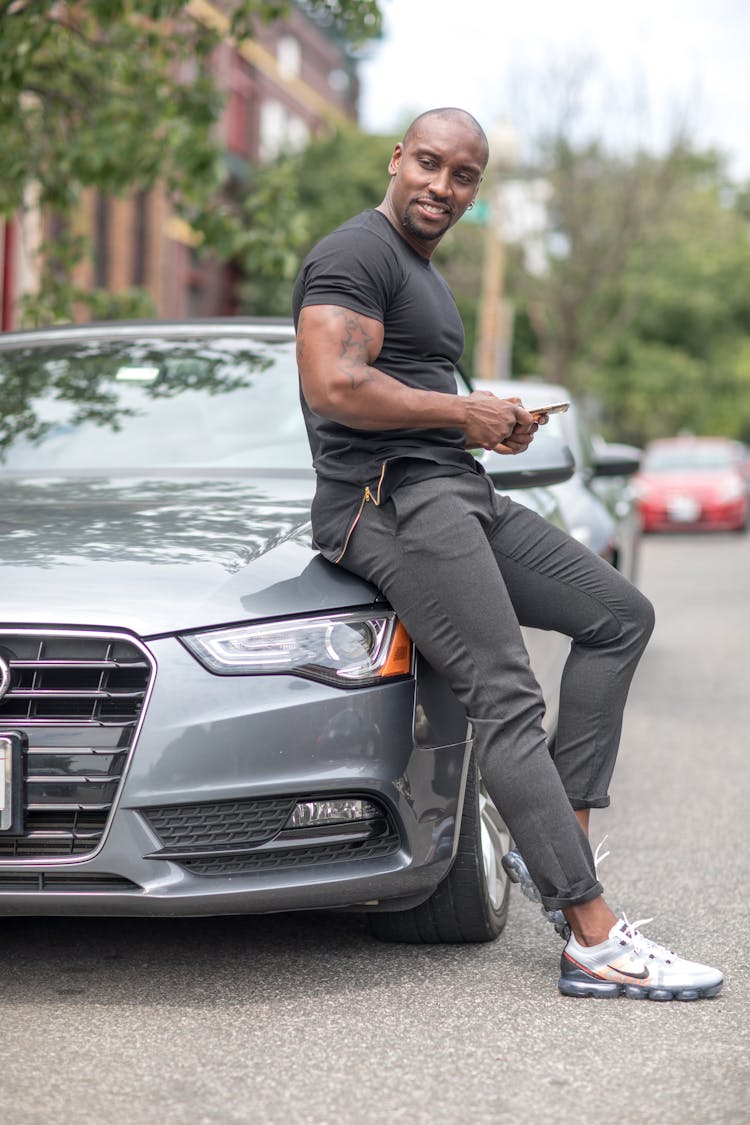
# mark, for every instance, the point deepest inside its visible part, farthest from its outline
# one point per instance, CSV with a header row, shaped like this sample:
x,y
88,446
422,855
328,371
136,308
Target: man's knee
x,y
644,617
637,625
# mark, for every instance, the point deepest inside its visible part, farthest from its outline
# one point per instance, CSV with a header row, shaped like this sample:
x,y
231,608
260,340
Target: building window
x,y
338,80
289,56
280,131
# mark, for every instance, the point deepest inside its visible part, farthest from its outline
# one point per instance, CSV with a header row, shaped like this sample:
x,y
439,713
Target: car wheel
x,y
471,903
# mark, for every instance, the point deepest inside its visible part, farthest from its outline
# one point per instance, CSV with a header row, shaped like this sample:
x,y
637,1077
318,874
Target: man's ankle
x,y
590,921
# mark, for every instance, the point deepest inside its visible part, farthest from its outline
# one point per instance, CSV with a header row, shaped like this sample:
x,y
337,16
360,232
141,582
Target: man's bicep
x,y
335,345
339,333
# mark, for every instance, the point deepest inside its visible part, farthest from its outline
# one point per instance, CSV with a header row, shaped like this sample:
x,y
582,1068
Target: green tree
x,y
117,95
634,290
643,302
296,200
684,361
604,209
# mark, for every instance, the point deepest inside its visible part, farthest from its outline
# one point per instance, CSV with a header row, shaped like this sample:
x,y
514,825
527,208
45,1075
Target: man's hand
x,y
499,424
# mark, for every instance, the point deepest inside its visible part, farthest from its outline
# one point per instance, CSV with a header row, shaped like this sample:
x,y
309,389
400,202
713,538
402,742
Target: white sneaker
x,y
628,964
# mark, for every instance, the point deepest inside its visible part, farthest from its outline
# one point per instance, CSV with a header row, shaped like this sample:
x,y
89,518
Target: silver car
x,y
198,713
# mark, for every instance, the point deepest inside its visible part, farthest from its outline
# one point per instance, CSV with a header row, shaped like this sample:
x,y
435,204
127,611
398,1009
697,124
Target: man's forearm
x,y
369,399
336,353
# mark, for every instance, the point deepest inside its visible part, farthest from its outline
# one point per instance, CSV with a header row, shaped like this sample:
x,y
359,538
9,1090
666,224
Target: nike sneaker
x,y
629,964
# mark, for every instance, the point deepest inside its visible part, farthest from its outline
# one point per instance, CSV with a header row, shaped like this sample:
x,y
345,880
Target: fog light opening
x,y
336,810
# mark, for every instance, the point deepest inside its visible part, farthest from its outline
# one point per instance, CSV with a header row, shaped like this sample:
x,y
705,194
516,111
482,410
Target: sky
x,y
686,60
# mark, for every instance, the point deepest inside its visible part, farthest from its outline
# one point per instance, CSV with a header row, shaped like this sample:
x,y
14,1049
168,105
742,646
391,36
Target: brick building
x,y
290,82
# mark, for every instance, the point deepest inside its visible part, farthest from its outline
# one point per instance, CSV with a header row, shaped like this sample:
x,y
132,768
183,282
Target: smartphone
x,y
553,408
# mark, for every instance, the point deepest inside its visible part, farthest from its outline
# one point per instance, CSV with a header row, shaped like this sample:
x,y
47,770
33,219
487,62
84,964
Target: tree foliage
x,y
297,200
684,361
117,95
604,210
636,293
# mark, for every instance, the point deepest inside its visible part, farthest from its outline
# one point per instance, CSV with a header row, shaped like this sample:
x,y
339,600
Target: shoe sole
x,y
581,986
523,879
529,889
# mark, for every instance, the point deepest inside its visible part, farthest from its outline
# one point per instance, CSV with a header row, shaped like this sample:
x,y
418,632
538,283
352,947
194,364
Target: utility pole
x,y
495,315
495,321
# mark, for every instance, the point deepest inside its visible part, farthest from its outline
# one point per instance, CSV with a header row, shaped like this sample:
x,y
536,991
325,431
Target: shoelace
x,y
600,858
643,945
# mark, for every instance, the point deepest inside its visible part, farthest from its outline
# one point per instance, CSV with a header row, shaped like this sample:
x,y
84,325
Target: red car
x,y
694,483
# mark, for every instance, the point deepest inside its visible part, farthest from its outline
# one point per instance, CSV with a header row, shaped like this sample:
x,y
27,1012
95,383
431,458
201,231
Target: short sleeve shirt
x,y
365,266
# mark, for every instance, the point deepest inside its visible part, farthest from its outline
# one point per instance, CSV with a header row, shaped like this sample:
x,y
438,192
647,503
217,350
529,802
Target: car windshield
x,y
223,402
672,458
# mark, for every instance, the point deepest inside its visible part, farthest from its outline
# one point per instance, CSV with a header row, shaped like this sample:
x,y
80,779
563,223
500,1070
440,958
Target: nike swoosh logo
x,y
624,973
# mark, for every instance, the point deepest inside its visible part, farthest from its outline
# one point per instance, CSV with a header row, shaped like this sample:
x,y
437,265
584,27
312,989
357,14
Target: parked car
x,y
694,483
598,502
198,713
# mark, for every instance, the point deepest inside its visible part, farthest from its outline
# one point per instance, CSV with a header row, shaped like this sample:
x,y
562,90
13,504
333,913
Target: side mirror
x,y
547,461
612,459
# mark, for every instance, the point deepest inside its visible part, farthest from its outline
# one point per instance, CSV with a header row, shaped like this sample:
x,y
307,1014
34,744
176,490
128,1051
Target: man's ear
x,y
395,160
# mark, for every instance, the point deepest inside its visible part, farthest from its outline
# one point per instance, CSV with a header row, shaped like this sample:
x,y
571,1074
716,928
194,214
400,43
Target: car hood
x,y
161,554
689,479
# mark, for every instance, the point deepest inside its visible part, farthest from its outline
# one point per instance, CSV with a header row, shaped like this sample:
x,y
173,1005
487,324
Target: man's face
x,y
435,176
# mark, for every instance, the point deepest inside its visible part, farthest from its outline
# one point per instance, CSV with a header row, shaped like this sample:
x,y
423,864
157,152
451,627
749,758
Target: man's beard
x,y
429,234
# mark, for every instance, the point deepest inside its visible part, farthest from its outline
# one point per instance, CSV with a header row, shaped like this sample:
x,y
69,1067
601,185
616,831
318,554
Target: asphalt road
x,y
305,1019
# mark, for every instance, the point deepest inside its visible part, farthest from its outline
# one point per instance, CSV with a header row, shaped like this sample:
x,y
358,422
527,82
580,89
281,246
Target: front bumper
x,y
209,739
700,515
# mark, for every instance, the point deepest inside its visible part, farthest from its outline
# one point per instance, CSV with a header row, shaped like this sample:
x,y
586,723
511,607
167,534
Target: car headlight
x,y
731,489
346,649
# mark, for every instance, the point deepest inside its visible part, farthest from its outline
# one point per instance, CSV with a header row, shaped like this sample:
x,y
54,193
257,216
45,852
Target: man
x,y
401,502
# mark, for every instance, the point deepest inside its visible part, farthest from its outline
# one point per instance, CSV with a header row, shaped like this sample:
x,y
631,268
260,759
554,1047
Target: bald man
x,y
402,503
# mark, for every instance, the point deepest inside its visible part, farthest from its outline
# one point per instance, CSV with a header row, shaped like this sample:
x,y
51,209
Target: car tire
x,y
471,903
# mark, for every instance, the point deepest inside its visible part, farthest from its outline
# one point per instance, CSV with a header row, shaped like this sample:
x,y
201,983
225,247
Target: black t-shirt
x,y
365,266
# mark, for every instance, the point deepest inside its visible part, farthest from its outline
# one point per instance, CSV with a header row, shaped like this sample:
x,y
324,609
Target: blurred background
x,y
178,160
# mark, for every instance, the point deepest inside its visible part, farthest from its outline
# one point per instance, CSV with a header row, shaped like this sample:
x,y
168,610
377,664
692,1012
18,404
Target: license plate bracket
x,y
12,751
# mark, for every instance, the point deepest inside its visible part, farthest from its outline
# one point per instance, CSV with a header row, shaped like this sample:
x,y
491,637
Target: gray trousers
x,y
464,568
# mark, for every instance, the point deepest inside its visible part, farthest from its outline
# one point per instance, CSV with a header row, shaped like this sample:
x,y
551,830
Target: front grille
x,y
74,882
78,697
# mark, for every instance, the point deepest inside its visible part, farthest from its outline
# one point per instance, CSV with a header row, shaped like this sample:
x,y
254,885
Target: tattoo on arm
x,y
354,350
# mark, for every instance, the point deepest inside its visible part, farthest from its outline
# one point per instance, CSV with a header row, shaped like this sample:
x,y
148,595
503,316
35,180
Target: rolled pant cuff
x,y
589,802
562,902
